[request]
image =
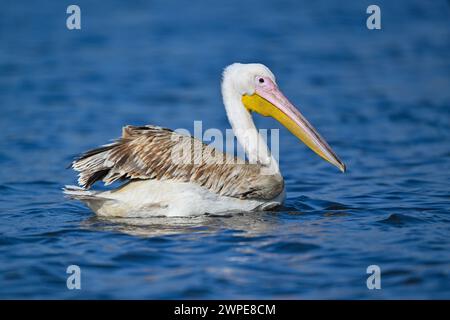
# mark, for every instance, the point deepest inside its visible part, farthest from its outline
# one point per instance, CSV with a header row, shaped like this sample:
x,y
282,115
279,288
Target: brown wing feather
x,y
151,152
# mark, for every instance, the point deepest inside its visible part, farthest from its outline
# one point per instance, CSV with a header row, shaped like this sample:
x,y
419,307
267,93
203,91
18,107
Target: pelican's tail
x,y
74,192
95,200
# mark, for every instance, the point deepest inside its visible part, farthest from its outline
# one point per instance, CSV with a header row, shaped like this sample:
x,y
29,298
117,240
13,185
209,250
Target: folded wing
x,y
151,152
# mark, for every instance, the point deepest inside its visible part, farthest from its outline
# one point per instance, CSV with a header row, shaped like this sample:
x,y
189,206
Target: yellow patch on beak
x,y
259,104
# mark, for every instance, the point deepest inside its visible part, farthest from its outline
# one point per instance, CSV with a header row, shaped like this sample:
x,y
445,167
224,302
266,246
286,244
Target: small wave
x,y
290,247
400,219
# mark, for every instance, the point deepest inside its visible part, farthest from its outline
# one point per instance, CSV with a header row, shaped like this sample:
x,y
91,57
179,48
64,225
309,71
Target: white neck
x,y
245,131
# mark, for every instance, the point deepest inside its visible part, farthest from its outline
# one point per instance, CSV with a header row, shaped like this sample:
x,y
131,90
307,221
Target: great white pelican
x,y
159,185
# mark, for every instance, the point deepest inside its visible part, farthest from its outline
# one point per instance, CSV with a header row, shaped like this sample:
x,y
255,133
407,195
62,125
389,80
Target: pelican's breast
x,y
265,187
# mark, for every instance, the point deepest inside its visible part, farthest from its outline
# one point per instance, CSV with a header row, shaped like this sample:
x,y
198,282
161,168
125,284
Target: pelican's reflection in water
x,y
250,222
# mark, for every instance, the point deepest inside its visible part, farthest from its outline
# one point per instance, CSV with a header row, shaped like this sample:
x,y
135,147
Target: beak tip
x,y
343,168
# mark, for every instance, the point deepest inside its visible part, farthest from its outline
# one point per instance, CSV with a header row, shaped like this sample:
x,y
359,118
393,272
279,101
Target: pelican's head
x,y
256,87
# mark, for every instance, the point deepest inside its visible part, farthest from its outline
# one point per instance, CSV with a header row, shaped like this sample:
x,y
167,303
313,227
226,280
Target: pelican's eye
x,y
261,80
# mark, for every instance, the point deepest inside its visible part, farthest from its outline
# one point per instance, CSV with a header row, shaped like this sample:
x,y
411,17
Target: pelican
x,y
158,185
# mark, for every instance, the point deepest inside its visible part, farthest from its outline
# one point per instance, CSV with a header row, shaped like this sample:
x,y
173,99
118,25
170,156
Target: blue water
x,y
381,99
